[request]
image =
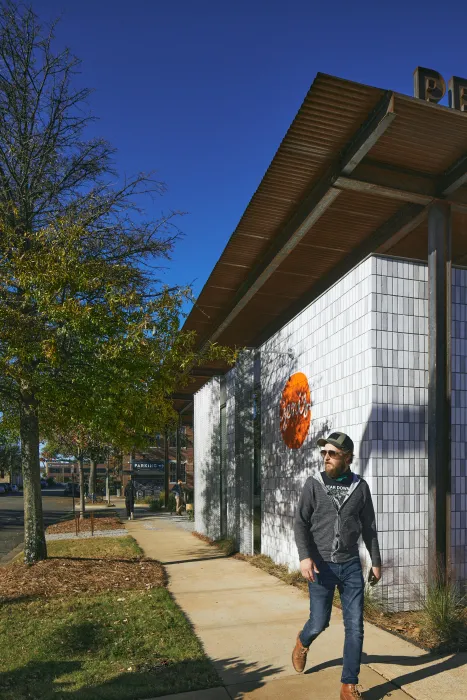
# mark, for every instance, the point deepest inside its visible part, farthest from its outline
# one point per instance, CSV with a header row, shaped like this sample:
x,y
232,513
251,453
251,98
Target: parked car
x,y
44,483
2,488
68,491
14,488
7,487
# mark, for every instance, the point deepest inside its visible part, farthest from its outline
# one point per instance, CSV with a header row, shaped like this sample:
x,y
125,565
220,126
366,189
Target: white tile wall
x,y
239,456
397,427
207,459
332,341
363,346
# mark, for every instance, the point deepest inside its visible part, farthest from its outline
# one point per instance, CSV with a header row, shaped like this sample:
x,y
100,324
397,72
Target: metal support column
x,y
439,391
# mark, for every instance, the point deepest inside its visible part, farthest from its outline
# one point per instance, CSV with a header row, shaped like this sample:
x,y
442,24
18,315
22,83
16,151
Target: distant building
x,y
62,469
148,468
7,478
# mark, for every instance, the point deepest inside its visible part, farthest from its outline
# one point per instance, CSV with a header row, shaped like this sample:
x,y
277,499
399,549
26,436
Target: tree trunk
x,y
82,502
92,477
35,548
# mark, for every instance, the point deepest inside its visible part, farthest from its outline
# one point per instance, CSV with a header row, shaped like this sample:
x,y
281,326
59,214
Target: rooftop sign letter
x,y
429,85
458,93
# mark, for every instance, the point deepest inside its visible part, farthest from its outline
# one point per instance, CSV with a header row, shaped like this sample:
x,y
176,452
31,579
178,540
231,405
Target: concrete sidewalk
x,y
248,620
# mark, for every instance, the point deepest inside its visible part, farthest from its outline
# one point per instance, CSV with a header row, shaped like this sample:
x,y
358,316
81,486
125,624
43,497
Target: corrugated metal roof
x,y
421,143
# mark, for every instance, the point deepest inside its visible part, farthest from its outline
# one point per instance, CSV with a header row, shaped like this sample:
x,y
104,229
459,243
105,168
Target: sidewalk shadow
x,y
157,514
157,679
444,663
194,560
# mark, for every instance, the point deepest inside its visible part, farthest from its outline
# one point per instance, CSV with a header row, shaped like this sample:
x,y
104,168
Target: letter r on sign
x,y
458,93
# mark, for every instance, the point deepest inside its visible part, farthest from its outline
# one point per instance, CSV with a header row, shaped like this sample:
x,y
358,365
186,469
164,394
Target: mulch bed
x,y
405,624
100,523
64,577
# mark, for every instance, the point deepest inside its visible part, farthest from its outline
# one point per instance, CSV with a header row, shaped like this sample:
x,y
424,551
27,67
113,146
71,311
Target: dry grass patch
x,y
280,571
96,548
224,544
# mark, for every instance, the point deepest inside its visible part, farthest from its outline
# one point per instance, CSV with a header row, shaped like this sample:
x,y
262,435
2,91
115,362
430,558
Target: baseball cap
x,y
340,440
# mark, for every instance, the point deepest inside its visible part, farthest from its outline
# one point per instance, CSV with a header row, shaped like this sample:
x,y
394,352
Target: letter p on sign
x,y
429,85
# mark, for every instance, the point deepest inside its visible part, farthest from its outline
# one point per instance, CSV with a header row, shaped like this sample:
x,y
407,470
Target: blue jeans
x,y
348,578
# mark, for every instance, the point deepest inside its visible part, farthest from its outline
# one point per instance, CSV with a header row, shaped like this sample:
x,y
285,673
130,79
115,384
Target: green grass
x,y
119,645
100,647
95,548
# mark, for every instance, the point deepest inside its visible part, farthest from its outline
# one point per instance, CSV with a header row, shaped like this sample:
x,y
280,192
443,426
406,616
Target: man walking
x,y
130,499
335,508
178,492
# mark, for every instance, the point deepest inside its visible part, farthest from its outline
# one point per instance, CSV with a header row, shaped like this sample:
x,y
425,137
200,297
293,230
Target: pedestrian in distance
x,y
130,499
335,508
177,490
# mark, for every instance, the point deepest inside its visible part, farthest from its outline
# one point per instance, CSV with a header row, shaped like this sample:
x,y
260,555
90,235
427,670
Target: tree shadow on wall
x,y
284,470
209,520
226,475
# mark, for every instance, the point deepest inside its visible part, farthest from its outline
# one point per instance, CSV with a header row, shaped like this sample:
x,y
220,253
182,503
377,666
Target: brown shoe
x,y
349,691
299,656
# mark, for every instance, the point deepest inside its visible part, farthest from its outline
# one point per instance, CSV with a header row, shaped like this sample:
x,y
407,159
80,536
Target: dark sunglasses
x,y
331,453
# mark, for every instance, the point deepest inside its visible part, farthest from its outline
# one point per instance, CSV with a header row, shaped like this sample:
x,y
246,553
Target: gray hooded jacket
x,y
326,532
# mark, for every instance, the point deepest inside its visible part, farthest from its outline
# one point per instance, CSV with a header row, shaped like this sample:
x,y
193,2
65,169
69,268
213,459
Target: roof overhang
x,y
355,174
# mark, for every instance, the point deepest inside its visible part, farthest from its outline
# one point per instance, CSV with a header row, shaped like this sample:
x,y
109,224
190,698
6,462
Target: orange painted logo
x,y
295,411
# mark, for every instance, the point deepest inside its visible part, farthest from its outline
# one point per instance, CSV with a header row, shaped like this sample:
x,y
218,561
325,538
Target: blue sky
x,y
203,92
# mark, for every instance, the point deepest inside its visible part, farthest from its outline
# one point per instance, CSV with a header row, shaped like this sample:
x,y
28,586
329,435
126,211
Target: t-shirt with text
x,y
338,488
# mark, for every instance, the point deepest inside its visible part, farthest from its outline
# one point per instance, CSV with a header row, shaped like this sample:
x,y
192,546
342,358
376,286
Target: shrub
x,y
226,545
443,620
371,606
171,504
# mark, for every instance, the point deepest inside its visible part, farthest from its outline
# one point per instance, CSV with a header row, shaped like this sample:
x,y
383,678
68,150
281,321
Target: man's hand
x,y
308,569
376,572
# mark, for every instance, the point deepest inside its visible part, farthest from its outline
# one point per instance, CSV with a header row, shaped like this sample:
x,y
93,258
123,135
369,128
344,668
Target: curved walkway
x,y
248,620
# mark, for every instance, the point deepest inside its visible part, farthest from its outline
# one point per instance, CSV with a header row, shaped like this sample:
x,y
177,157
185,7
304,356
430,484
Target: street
x,y
55,505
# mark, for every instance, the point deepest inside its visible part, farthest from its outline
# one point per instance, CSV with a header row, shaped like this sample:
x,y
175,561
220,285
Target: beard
x,y
335,470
